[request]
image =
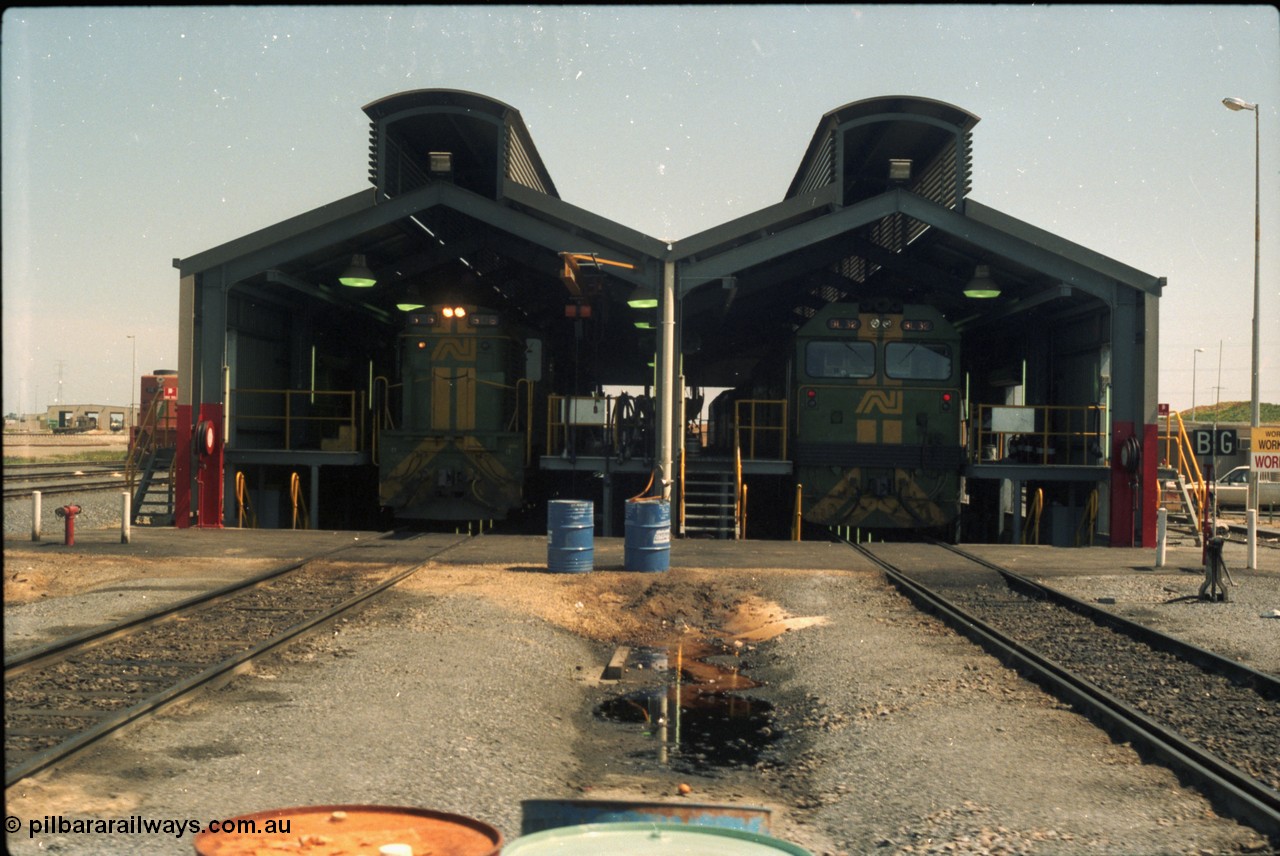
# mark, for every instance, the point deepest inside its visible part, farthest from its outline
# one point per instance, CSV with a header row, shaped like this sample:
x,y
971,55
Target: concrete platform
x,y
529,552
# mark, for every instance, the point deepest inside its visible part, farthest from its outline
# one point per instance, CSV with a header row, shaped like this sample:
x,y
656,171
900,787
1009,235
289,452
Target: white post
x,y
35,515
1162,532
1253,539
666,391
125,508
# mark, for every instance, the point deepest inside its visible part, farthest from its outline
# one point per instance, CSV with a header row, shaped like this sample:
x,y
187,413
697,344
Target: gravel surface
x,y
471,687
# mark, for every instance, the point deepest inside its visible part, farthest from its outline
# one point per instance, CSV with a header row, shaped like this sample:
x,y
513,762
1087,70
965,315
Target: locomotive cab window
x,y
840,359
917,361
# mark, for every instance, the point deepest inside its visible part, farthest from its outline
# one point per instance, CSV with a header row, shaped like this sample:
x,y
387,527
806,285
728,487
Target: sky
x,y
134,136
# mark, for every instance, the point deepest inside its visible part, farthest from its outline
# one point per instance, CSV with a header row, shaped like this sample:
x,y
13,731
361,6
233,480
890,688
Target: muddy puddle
x,y
694,707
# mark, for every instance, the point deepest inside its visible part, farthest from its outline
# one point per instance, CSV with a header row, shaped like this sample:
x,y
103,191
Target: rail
x,y
275,416
1061,435
1242,794
773,420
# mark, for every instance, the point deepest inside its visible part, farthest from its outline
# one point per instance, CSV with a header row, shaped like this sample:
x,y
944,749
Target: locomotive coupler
x,y
68,513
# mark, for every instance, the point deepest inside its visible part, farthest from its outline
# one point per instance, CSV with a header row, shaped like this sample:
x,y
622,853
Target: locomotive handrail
x,y
1031,444
528,420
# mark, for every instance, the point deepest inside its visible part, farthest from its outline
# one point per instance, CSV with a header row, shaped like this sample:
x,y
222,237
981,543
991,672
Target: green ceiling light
x,y
644,325
982,286
357,274
643,297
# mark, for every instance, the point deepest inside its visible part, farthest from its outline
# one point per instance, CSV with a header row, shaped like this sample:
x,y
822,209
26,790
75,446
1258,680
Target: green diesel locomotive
x,y
456,445
877,403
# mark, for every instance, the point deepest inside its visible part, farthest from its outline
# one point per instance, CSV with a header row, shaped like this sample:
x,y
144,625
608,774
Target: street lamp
x,y
1241,104
133,381
1193,381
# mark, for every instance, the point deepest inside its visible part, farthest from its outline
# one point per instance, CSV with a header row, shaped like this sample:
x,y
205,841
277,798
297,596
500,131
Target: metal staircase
x,y
153,495
148,468
1183,492
710,501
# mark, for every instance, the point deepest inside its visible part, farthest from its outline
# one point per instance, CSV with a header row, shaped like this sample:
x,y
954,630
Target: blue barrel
x,y
539,815
570,526
647,546
649,839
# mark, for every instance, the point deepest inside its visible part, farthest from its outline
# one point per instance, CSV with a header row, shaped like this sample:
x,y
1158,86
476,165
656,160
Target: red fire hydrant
x,y
68,513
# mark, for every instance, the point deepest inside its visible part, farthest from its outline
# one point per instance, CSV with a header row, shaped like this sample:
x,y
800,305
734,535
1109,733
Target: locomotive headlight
x,y
459,312
447,311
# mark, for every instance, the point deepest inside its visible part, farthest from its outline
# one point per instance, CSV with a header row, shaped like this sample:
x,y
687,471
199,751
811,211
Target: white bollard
x,y
1162,534
35,515
125,516
1253,539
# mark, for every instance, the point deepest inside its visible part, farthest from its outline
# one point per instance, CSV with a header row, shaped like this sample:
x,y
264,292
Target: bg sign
x,y
1209,443
1265,456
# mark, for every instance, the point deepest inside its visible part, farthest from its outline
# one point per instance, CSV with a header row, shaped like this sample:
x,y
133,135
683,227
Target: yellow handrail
x,y
737,489
1188,465
1046,415
795,529
295,495
1031,534
348,420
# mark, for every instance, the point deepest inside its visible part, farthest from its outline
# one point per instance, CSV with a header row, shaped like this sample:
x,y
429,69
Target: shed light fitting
x,y
357,274
899,169
440,163
643,297
982,286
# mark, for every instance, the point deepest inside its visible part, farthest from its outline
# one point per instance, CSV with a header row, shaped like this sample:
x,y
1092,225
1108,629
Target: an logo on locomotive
x,y
886,401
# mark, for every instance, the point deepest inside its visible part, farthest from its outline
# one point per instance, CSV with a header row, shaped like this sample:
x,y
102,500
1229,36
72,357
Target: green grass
x,y
1232,411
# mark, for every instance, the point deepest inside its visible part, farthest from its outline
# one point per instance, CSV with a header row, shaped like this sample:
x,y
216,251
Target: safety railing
x,y
297,419
301,520
244,505
1031,528
147,437
1180,456
1041,434
760,428
592,415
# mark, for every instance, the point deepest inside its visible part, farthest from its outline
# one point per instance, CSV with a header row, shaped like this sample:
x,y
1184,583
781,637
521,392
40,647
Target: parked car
x,y
1232,490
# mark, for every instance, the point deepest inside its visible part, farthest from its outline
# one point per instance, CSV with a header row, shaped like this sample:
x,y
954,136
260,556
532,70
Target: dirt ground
x,y
37,446
604,607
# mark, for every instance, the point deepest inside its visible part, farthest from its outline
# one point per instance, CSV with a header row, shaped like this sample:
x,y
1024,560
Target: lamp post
x,y
1241,104
1193,381
133,381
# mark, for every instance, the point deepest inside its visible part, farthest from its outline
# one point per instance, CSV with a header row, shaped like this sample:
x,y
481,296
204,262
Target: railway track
x,y
1214,721
51,479
68,694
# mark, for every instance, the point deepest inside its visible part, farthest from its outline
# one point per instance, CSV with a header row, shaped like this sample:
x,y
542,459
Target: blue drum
x,y
647,546
570,531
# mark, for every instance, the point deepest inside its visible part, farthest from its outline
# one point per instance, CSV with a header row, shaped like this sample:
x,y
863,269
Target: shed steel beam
x,y
279,245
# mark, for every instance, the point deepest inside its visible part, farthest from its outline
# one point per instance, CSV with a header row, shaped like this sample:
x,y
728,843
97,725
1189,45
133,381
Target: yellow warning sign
x,y
1264,457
